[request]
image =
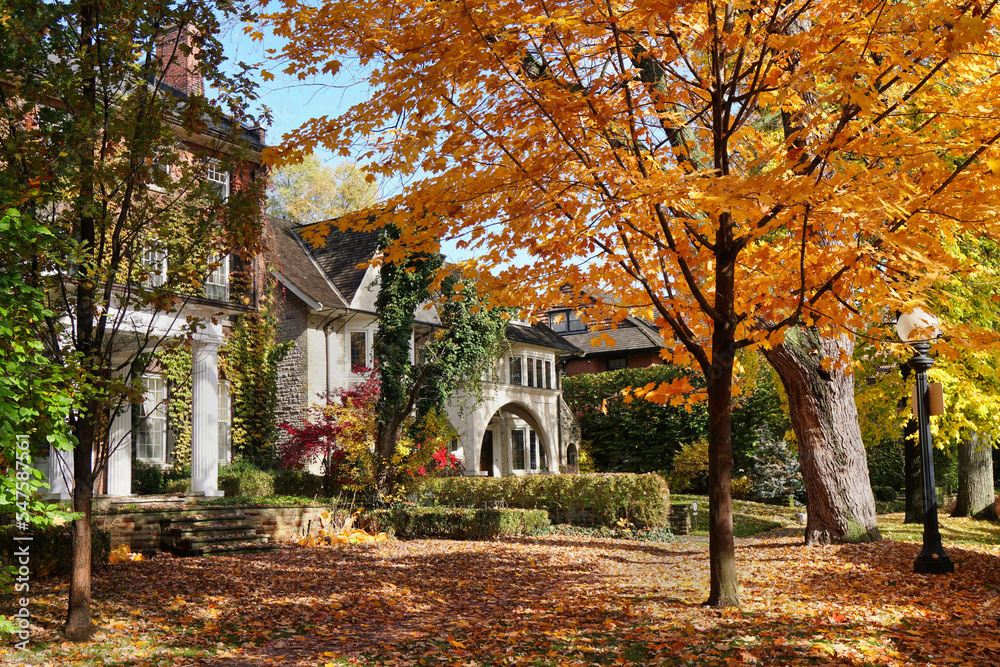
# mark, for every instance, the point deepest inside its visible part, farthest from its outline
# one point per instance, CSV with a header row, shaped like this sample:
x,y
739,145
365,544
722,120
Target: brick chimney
x,y
179,69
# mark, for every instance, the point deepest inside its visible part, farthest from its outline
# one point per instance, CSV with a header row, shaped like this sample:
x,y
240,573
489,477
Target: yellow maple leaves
x,y
123,554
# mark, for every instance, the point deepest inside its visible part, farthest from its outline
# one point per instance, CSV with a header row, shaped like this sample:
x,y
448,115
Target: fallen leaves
x,y
556,600
122,554
340,537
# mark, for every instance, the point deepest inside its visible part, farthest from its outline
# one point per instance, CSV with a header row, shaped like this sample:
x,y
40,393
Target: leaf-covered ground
x,y
555,600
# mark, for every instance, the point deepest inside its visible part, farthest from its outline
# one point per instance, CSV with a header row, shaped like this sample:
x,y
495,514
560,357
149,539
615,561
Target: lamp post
x,y
913,328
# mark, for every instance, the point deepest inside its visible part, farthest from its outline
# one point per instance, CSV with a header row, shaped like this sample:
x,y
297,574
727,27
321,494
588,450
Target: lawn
x,y
553,600
749,518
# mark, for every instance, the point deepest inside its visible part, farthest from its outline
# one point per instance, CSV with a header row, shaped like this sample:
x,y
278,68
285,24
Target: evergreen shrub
x,y
51,552
458,523
643,500
243,479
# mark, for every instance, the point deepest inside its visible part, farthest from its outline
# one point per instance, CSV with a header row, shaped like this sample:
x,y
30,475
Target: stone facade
x,y
293,325
569,429
140,528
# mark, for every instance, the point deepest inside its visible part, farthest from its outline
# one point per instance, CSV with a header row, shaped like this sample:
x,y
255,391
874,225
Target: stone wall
x,y
569,428
293,323
140,529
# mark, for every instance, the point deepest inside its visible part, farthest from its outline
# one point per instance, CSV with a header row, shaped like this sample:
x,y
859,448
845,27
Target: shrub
x,y
885,463
147,479
299,483
243,479
742,488
177,479
690,471
642,499
884,493
774,467
458,523
51,551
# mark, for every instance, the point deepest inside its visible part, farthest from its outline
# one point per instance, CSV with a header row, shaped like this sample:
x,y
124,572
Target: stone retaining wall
x,y
140,528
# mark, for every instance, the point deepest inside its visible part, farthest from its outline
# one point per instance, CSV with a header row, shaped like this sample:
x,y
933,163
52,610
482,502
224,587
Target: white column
x,y
205,419
60,474
120,456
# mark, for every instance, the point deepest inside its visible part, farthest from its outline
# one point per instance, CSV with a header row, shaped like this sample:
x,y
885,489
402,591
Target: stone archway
x,y
515,441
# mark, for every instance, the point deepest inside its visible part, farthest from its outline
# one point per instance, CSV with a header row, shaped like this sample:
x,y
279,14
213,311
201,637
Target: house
x,y
637,343
326,305
140,431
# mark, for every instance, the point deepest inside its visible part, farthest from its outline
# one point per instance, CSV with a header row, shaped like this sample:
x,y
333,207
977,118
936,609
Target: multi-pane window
x,y
533,440
538,373
515,371
225,422
517,449
531,373
217,283
154,261
566,321
548,375
358,351
217,179
617,363
151,436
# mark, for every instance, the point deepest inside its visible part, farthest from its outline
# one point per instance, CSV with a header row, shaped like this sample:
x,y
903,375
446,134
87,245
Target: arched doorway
x,y
487,454
514,442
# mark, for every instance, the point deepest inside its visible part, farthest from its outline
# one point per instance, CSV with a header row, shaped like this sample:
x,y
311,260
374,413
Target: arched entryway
x,y
514,442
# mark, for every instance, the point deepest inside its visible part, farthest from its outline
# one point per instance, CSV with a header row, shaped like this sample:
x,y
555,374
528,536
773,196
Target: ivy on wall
x,y
175,366
250,361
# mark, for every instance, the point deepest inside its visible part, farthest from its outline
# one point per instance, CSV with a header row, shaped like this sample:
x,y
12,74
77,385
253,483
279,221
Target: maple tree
x,y
87,139
735,168
310,191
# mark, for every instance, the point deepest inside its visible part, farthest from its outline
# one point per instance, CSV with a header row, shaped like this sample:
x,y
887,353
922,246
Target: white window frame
x,y
151,259
151,436
535,359
369,340
225,423
213,174
219,279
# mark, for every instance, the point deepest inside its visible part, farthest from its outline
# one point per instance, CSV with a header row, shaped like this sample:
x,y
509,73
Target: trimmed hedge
x,y
458,523
243,479
600,499
298,483
50,551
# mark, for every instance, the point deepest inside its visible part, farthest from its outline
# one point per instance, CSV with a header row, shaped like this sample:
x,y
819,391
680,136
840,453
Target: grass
x,y
749,518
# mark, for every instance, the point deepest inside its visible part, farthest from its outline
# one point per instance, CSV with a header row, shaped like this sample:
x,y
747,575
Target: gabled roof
x,y
541,335
340,256
632,336
292,260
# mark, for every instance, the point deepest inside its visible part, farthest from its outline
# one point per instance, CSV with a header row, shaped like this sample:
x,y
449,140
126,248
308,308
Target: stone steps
x,y
211,535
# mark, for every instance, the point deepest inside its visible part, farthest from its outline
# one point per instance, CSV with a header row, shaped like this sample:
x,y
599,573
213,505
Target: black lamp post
x,y
932,558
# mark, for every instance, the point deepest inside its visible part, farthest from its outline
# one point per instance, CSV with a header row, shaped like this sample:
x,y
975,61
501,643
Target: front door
x,y
486,453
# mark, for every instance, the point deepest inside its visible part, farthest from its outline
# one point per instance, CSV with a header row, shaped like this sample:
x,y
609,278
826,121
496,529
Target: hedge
x,y
50,551
458,523
601,499
243,479
298,483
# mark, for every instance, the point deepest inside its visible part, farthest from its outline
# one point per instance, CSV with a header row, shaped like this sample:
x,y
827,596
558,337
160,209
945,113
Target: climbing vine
x,y
175,365
250,361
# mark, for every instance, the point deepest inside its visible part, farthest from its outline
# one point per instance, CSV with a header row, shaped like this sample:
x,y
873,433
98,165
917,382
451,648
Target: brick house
x,y
326,305
140,431
637,343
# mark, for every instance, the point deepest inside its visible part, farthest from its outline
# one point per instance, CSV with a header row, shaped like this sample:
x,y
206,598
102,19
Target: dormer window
x,y
566,321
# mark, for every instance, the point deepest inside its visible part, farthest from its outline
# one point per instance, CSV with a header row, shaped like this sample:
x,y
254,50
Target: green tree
x,y
309,191
94,150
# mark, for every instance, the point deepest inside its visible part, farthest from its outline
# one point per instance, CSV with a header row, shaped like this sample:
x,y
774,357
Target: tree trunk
x,y
975,479
78,624
914,478
841,507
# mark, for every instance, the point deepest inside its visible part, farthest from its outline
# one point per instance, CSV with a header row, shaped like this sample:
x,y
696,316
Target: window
x,y
517,449
217,283
566,321
548,375
533,439
617,363
154,263
218,180
538,373
531,373
225,422
542,457
151,436
359,351
515,371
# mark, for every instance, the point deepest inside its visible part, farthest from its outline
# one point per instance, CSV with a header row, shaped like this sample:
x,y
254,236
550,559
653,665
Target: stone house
x,y
326,304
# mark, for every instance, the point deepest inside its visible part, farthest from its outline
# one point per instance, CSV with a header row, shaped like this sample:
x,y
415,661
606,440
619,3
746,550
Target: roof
x,y
637,336
340,257
252,135
291,259
541,335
